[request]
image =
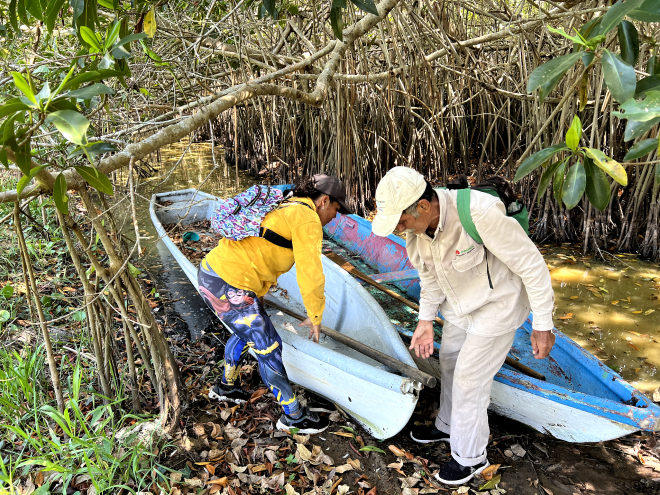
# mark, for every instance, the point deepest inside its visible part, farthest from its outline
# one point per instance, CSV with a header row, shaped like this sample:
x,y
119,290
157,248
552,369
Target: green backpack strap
x,y
463,205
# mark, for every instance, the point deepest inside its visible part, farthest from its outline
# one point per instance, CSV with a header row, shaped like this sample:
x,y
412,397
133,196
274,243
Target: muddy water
x,y
181,167
610,307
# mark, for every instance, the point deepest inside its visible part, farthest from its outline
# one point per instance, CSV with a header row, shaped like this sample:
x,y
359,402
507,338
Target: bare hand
x,y
422,339
542,342
314,330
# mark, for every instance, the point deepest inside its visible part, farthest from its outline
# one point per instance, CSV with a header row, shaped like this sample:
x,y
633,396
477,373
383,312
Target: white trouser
x,y
468,364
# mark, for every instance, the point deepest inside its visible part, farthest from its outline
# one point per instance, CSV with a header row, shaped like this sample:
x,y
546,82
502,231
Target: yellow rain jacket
x,y
254,263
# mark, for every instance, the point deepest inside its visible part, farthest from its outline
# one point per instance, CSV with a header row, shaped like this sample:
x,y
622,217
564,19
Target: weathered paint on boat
x,y
582,400
358,384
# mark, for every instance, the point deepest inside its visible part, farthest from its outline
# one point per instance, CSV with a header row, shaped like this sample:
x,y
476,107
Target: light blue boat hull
x,y
582,400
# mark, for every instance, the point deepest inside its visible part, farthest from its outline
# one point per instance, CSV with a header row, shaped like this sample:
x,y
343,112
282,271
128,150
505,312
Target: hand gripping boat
x,y
376,396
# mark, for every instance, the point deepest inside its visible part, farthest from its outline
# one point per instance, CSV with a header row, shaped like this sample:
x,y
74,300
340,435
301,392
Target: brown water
x,y
181,167
610,307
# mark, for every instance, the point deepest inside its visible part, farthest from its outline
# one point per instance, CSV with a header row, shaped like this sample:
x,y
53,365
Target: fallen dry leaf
x,y
221,481
566,317
39,478
488,473
255,396
211,469
396,465
397,451
342,434
355,463
343,468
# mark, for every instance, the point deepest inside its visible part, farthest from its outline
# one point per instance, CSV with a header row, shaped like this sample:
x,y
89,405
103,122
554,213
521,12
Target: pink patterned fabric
x,y
240,216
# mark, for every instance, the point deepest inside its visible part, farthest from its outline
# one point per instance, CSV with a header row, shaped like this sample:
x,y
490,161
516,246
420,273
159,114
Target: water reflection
x,y
611,309
182,166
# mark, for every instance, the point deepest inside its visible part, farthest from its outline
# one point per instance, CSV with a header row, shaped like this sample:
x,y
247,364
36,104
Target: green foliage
x,y
574,185
90,424
641,149
537,159
629,42
597,186
574,134
59,194
619,77
639,103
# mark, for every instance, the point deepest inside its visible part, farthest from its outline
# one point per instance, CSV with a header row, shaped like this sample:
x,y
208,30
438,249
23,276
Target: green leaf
x,y
130,38
93,149
52,13
537,159
112,36
133,271
598,187
558,183
574,134
629,42
640,149
13,20
372,448
337,22
91,76
96,179
34,8
269,5
367,6
340,4
619,76
7,291
492,483
615,15
608,165
551,70
575,39
293,10
89,37
89,92
59,194
10,108
649,11
3,158
26,179
71,124
649,83
546,88
23,86
544,182
642,111
4,316
576,181
24,158
349,429
636,129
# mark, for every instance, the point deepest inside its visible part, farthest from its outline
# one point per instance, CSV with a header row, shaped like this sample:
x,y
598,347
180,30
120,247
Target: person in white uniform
x,y
483,290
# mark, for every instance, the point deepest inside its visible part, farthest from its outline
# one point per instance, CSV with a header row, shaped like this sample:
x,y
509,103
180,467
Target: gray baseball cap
x,y
333,187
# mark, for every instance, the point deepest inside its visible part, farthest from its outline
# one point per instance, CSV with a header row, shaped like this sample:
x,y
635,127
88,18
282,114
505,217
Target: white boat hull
x,y
358,384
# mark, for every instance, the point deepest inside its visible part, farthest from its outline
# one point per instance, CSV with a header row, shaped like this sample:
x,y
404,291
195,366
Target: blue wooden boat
x,y
582,400
357,383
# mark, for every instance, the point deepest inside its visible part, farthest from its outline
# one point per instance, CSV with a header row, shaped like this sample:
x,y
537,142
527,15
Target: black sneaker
x,y
309,423
229,393
316,403
453,473
428,434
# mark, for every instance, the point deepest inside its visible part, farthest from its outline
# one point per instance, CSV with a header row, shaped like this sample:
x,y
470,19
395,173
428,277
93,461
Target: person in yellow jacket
x,y
236,274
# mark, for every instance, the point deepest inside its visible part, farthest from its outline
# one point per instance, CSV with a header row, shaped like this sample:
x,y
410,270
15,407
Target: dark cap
x,y
333,187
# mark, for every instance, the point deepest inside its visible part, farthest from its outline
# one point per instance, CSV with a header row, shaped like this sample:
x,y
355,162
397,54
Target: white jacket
x,y
453,272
